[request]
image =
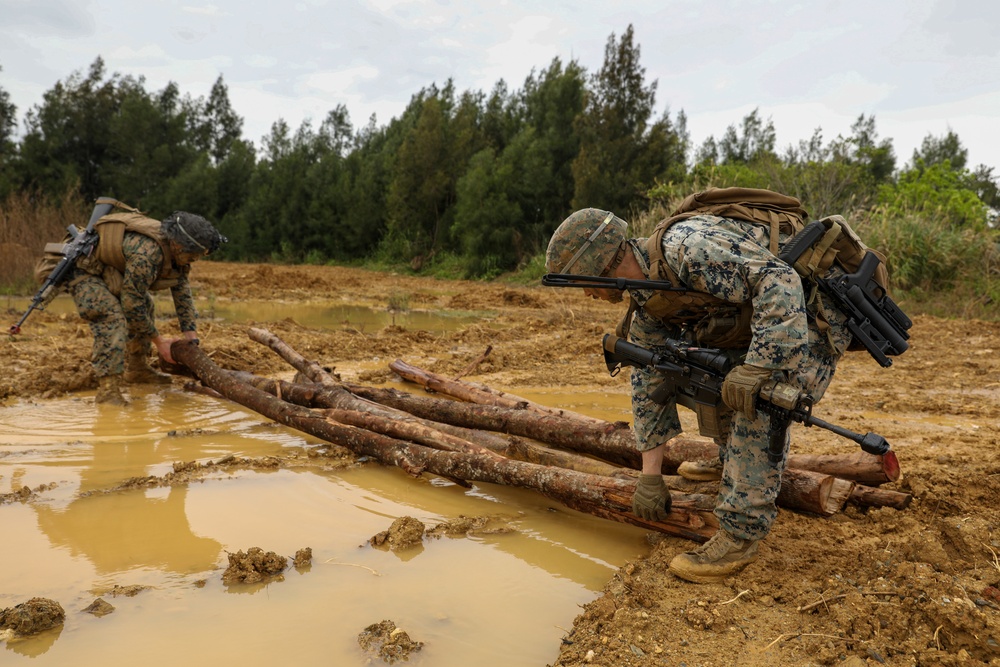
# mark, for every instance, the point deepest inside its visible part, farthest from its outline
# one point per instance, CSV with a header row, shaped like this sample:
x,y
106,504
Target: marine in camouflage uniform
x,y
123,326
728,259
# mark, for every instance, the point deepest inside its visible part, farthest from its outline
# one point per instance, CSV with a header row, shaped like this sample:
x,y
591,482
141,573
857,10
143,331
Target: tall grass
x,y
939,267
27,223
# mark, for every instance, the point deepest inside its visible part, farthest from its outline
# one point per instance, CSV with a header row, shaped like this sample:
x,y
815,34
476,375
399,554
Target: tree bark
x,y
606,497
867,496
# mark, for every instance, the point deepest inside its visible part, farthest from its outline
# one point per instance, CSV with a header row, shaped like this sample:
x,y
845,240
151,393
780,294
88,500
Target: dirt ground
x,y
876,587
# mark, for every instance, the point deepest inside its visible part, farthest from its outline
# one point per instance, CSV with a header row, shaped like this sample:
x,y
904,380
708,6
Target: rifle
x,y
873,318
693,377
81,244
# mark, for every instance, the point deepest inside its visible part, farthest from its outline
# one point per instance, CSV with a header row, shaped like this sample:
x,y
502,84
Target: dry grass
x,y
27,223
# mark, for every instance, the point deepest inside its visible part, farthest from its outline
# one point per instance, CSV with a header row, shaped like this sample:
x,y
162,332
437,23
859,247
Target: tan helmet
x,y
585,243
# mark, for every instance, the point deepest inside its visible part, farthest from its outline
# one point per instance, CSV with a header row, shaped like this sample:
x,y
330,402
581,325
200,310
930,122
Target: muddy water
x,y
491,600
317,314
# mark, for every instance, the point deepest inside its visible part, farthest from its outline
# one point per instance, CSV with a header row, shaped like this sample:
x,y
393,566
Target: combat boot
x,y
109,390
138,370
707,470
712,562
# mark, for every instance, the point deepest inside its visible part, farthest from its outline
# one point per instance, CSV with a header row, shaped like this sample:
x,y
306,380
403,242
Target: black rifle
x,y
693,376
81,244
873,318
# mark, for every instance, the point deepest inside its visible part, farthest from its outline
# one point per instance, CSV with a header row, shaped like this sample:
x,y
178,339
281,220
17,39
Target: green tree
x,y
552,101
753,142
621,153
936,150
439,136
936,191
499,199
214,125
876,158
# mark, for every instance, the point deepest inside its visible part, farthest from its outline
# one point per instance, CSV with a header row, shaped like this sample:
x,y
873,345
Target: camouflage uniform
x,y
730,260
127,321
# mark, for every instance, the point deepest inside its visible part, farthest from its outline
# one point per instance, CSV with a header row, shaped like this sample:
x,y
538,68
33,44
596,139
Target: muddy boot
x,y
712,562
137,368
708,470
109,390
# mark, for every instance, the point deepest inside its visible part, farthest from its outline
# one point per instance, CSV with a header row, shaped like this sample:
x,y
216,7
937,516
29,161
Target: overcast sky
x,y
919,66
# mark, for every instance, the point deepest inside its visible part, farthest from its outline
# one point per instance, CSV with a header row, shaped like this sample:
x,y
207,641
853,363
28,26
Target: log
x,y
609,441
509,446
601,496
808,491
861,467
867,496
814,492
473,393
617,445
805,491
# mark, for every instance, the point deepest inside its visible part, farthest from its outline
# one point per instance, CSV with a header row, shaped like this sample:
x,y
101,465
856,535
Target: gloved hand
x,y
741,386
652,499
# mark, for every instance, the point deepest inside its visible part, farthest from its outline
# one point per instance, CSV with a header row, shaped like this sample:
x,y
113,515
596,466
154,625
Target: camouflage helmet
x,y
193,233
585,243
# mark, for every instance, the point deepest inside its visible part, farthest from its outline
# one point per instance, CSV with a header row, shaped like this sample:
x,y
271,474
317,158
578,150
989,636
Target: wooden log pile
x,y
467,433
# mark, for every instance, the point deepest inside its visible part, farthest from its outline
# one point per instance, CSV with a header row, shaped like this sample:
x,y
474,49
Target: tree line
x,y
472,181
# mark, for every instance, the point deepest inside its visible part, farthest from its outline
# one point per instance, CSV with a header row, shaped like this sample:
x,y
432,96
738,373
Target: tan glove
x,y
741,386
652,499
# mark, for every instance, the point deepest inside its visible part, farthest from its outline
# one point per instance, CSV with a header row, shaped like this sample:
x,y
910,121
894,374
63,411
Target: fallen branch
x,y
612,441
606,497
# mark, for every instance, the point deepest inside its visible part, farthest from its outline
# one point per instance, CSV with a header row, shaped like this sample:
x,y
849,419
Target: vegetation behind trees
x,y
471,184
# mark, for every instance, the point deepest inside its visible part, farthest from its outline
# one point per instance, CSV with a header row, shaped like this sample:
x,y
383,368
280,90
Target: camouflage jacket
x,y
143,260
730,259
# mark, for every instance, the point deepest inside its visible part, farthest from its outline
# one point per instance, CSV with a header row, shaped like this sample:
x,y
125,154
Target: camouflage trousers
x,y
750,482
746,506
103,312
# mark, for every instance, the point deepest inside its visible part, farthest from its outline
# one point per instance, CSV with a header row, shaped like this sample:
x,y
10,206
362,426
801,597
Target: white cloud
x,y
206,10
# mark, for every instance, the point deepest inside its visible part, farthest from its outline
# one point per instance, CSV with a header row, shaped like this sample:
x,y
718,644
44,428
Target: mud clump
x,y
463,526
99,607
388,642
303,558
404,533
31,617
254,566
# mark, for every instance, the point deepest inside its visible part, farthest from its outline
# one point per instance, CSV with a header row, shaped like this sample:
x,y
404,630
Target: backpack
x,y
838,245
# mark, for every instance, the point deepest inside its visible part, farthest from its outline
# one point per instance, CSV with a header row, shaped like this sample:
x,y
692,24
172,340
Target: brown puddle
x,y
503,599
308,313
